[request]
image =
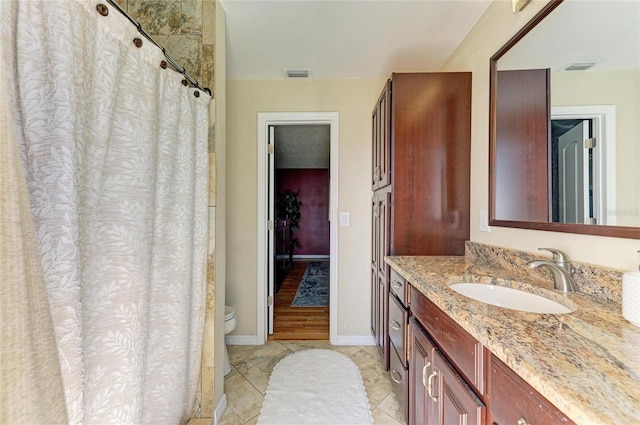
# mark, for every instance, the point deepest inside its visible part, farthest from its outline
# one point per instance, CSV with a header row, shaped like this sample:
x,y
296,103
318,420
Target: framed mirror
x,y
564,142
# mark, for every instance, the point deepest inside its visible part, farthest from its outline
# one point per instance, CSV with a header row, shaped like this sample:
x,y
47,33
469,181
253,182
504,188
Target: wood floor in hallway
x,y
297,323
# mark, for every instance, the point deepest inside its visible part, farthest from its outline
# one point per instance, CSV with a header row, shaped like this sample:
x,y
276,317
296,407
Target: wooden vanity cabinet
x,y
421,131
513,401
446,368
452,377
438,395
464,351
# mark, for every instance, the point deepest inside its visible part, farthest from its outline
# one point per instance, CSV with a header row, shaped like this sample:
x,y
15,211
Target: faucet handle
x,y
558,256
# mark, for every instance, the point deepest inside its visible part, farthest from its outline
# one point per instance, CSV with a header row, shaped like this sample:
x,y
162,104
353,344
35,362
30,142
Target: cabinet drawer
x,y
398,327
513,401
399,381
467,354
399,287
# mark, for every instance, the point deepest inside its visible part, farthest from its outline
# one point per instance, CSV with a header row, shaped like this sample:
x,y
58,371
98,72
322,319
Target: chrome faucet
x,y
560,268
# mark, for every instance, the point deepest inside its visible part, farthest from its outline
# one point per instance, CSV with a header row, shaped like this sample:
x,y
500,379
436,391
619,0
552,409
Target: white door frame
x,y
265,119
605,161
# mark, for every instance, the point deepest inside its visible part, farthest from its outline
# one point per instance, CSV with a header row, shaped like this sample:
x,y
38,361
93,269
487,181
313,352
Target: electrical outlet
x,y
344,219
484,221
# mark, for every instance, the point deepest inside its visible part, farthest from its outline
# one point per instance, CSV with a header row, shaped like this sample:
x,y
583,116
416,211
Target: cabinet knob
x,y
395,325
393,374
522,421
396,285
424,373
430,386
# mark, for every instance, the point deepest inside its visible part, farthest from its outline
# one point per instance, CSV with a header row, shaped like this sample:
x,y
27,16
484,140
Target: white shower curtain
x,y
114,149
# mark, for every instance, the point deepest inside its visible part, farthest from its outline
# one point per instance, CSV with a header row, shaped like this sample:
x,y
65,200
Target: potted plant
x,y
289,208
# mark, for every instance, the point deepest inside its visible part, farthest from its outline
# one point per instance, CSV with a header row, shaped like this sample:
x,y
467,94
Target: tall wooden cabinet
x,y
421,127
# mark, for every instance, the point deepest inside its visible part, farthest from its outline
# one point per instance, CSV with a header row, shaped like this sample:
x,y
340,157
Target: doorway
x,y
302,159
582,168
298,172
572,182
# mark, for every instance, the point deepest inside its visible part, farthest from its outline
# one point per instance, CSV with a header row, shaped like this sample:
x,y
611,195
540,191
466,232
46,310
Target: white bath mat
x,y
316,387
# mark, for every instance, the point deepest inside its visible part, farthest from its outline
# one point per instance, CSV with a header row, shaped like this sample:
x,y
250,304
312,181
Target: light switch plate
x,y
484,221
344,219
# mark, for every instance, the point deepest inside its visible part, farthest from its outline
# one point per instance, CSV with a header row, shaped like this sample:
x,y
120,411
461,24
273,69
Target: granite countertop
x,y
587,363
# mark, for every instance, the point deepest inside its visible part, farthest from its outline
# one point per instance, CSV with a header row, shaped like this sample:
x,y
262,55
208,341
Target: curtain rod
x,y
169,59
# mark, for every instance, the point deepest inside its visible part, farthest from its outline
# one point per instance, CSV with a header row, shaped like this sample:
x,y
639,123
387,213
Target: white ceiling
x,y
606,33
344,38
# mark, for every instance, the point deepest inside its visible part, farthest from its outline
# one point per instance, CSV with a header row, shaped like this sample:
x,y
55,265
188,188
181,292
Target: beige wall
x,y
495,27
619,88
353,99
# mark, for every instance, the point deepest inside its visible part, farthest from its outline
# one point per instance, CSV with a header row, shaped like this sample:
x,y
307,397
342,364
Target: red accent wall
x,y
314,194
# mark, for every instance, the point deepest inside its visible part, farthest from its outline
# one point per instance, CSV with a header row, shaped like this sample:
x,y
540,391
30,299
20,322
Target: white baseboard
x,y
219,410
311,257
355,340
242,340
341,340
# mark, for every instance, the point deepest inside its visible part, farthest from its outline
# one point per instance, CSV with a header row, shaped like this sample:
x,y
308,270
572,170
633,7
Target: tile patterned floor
x,y
246,384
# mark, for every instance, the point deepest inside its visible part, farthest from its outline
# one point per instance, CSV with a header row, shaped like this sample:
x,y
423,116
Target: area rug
x,y
314,387
314,288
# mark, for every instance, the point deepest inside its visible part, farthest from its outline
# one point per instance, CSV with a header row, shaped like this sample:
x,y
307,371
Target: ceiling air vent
x,y
296,73
580,66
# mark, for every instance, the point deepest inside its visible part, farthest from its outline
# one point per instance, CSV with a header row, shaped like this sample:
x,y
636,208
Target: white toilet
x,y
229,326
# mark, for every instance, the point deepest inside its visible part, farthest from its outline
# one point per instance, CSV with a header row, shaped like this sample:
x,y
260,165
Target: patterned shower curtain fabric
x,y
31,389
114,150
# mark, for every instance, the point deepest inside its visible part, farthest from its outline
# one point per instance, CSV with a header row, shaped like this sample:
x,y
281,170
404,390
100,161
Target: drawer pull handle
x,y
394,379
430,386
396,285
522,421
395,325
424,373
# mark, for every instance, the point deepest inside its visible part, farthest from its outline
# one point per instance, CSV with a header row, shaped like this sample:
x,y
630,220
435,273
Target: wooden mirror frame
x,y
586,229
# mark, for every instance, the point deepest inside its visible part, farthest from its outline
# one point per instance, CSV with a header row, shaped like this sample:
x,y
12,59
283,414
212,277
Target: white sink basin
x,y
513,299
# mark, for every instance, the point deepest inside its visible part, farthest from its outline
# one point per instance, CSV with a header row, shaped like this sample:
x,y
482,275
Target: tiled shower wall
x,y
186,29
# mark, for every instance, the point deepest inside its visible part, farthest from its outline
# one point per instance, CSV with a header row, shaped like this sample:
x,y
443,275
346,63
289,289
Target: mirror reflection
x,y
567,123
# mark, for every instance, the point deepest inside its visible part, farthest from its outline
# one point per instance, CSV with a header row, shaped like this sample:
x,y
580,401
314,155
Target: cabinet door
x,y
513,401
453,402
375,233
384,141
380,272
375,154
381,153
420,367
522,113
383,335
375,307
384,221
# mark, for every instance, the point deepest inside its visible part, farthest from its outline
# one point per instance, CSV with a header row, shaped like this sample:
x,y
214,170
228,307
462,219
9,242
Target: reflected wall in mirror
x,y
565,121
